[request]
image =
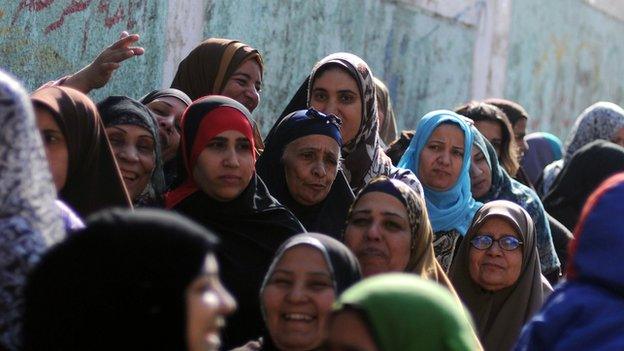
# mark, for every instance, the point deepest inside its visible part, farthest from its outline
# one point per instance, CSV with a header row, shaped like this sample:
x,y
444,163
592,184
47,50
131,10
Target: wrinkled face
x,y
168,111
493,132
379,233
519,130
441,158
207,305
297,299
348,332
134,150
480,173
55,146
336,92
225,167
494,268
618,137
245,84
311,165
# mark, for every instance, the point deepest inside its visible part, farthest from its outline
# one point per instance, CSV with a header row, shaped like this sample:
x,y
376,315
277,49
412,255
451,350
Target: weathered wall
x,y
564,55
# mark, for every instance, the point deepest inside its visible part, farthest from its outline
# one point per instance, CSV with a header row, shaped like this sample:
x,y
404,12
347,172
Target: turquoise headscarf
x,y
455,207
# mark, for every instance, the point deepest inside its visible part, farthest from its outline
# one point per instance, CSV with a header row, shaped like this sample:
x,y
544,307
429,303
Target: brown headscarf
x,y
387,127
93,178
208,67
500,315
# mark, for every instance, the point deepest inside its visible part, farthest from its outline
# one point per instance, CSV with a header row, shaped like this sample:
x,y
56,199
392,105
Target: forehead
x,y
381,202
251,68
130,129
335,77
498,225
316,141
489,129
303,258
448,132
169,101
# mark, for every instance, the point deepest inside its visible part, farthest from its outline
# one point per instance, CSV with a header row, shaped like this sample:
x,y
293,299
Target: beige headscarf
x,y
387,127
500,315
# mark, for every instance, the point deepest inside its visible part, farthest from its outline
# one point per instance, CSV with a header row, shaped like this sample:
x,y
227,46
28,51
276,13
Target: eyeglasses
x,y
485,241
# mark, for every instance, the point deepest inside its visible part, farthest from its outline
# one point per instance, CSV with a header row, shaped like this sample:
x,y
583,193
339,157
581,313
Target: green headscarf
x,y
406,312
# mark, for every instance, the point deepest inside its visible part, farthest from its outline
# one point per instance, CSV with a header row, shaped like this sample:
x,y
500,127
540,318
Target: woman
x,y
224,194
133,135
301,168
490,182
592,164
397,312
497,273
544,148
308,273
385,113
342,84
389,231
29,220
495,127
129,281
439,154
602,120
223,67
587,309
81,160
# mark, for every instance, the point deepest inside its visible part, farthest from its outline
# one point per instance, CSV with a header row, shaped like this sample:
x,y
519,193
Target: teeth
x,y
298,317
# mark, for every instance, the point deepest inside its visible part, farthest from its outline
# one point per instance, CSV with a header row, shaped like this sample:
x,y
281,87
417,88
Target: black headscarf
x,y
590,165
329,216
251,228
170,92
119,284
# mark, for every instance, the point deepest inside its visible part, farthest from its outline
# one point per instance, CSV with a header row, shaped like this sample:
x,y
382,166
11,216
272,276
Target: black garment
x,y
330,215
250,228
397,148
561,237
119,284
590,166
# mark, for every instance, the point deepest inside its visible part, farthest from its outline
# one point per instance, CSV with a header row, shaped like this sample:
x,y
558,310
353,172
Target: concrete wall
x,y
555,57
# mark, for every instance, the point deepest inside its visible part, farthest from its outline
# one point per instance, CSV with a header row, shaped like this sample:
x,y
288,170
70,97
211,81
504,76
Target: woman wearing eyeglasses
x,y
497,273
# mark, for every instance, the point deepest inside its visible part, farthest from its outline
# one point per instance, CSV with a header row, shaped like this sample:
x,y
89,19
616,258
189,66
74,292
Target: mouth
x,y
440,172
213,335
370,252
230,179
129,176
298,317
317,187
492,265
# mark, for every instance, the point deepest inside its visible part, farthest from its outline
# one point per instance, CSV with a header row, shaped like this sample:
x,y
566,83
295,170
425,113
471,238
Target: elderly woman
x,y
491,182
308,273
398,312
439,153
134,137
587,309
301,167
497,273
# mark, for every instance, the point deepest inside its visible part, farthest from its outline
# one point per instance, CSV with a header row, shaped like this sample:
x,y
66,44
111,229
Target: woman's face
x,y
494,268
297,299
442,157
55,146
379,233
348,332
134,149
245,84
618,137
225,167
492,132
480,173
168,111
336,92
519,130
311,165
207,304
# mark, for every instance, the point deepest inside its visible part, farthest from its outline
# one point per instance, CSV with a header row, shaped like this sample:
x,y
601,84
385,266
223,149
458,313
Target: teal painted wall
x,y
564,55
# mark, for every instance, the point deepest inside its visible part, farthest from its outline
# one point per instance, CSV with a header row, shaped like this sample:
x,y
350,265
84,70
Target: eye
x,y
280,281
243,145
330,160
392,226
319,96
346,98
116,141
241,81
458,153
307,155
434,147
318,285
217,145
360,221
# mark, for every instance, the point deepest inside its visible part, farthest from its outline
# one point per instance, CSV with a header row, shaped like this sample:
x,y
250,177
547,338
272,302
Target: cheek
x,y
399,245
148,162
474,257
324,302
515,265
271,300
353,237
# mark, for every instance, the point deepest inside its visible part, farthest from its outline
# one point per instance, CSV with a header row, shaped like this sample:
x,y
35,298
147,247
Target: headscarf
x,y
329,216
500,315
116,110
161,93
405,312
251,227
364,159
455,207
93,178
388,129
208,67
592,164
119,284
422,259
599,121
544,148
29,219
504,187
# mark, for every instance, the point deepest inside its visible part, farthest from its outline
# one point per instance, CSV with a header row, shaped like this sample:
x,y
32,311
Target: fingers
x,y
125,41
123,34
119,55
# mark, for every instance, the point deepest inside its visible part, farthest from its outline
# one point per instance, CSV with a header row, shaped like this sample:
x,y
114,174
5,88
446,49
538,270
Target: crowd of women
x,y
170,222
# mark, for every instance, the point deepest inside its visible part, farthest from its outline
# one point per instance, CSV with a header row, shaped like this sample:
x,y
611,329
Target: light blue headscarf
x,y
455,207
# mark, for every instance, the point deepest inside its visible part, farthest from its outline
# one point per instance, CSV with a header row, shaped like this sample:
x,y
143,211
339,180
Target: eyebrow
x,y
385,213
119,129
316,273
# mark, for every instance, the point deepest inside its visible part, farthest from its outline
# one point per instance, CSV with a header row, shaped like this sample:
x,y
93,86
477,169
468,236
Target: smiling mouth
x,y
129,176
298,317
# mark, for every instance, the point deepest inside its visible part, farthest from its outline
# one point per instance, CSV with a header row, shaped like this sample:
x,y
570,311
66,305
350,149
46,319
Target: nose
x,y
445,158
495,249
231,158
253,95
318,170
373,232
127,153
228,304
297,293
331,107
